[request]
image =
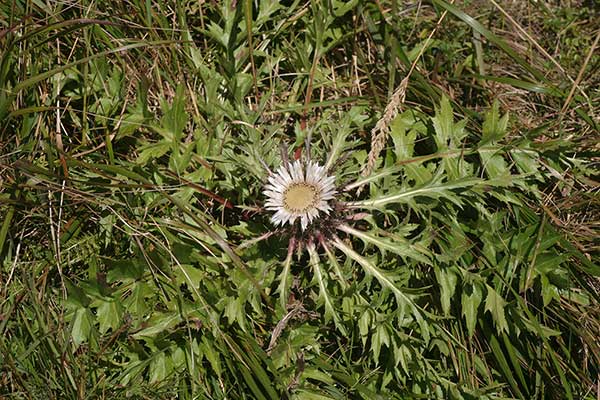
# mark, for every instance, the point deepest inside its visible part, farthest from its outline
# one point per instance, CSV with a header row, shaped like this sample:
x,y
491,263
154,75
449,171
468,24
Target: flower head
x,y
299,190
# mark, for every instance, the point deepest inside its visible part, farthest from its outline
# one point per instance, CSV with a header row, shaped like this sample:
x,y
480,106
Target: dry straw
x,y
380,132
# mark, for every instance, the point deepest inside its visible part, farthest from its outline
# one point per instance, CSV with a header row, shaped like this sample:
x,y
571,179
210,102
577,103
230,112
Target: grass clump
x,y
459,258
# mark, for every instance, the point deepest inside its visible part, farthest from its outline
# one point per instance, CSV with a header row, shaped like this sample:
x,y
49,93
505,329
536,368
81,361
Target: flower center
x,y
299,197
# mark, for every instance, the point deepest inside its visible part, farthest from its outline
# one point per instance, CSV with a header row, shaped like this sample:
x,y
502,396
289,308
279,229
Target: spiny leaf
x,y
398,246
373,177
285,281
330,311
434,189
403,299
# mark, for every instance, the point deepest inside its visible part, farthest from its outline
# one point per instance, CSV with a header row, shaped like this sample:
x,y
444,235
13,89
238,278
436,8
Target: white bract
x,y
299,190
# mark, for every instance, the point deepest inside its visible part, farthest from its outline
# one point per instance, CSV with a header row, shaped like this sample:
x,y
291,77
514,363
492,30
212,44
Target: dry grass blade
x,y
380,132
577,81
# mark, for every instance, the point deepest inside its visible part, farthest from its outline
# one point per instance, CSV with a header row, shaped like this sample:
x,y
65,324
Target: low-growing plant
x,y
193,206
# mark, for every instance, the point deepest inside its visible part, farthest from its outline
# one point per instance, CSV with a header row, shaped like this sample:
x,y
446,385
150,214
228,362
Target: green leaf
x,y
160,367
379,338
403,131
235,309
396,244
308,394
338,145
470,300
83,323
133,370
549,291
207,349
494,303
330,309
189,275
159,323
109,315
135,303
443,123
404,142
435,189
493,162
404,301
285,281
76,295
519,83
151,151
447,280
175,117
515,360
494,126
374,177
526,161
318,375
364,325
124,270
498,354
